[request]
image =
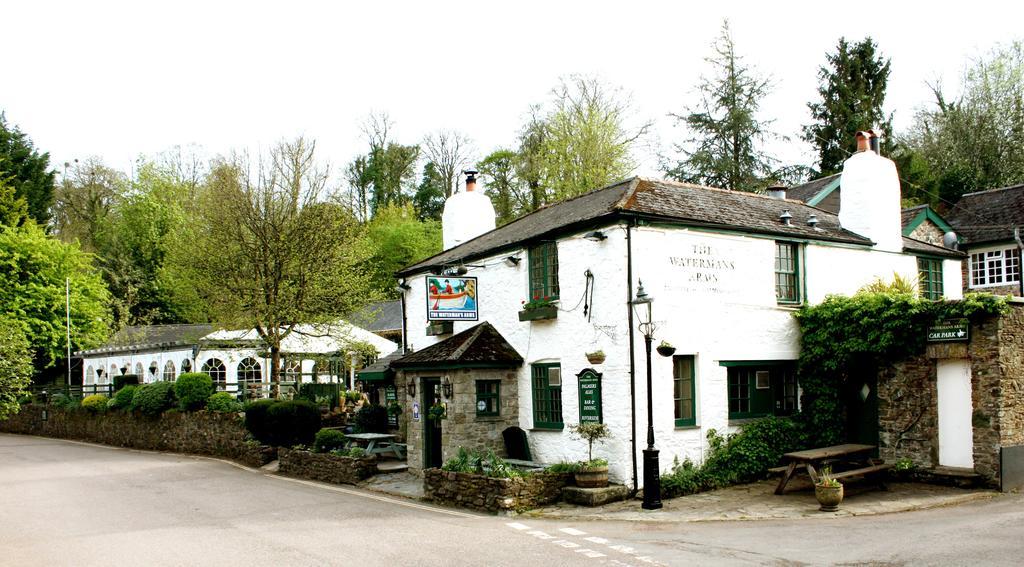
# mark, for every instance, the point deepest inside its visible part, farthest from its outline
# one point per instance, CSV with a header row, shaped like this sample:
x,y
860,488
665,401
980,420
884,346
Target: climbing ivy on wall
x,y
845,335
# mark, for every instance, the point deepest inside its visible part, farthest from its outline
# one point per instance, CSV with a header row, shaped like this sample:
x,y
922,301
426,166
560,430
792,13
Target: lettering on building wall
x,y
704,268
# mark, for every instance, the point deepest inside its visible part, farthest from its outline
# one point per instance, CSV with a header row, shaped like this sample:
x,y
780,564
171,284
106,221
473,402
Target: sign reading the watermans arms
x,y
707,266
950,330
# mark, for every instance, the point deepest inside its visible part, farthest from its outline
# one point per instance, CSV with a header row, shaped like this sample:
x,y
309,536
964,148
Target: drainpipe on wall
x,y
632,356
1020,252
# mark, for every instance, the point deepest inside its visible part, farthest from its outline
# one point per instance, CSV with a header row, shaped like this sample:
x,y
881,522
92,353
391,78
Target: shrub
x,y
371,419
328,440
123,398
125,380
223,402
563,468
283,423
153,399
95,403
357,452
481,462
60,400
193,389
25,399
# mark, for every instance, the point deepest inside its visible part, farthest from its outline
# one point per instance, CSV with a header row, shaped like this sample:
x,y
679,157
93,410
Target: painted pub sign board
x,y
452,298
954,330
590,396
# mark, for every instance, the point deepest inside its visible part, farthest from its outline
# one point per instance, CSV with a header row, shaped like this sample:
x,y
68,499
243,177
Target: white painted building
x,y
726,269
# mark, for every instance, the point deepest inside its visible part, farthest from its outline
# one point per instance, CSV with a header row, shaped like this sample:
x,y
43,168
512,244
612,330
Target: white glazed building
x,y
726,270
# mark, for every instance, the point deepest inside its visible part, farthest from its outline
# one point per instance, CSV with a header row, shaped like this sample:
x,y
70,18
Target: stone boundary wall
x,y
325,466
493,495
199,433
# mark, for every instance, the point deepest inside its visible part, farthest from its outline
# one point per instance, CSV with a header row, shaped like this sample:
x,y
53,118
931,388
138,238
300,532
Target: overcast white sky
x,y
119,79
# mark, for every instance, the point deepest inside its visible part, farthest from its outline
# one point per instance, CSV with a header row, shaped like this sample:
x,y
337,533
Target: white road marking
x,y
572,531
540,534
595,539
623,549
590,553
566,544
517,526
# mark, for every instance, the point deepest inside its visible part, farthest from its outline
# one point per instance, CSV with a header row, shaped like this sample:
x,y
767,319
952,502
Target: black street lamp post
x,y
652,474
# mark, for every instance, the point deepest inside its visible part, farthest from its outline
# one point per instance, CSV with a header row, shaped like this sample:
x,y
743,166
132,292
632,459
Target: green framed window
x,y
929,272
787,272
684,391
488,397
547,396
759,389
544,271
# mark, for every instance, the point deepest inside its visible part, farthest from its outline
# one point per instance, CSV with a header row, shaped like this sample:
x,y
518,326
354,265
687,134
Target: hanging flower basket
x,y
538,309
596,357
437,411
665,349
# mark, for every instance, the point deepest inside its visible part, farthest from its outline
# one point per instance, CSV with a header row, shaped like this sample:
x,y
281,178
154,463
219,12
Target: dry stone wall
x,y
325,466
478,492
200,433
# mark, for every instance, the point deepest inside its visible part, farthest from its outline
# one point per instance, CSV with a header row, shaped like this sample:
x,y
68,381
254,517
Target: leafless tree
x,y
450,152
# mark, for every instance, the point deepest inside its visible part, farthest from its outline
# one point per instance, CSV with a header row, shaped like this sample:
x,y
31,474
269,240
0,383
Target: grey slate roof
x,y
480,345
914,246
150,337
988,216
806,191
909,214
379,317
654,199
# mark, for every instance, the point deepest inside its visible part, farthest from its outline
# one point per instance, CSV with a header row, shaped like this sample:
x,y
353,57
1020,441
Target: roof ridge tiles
x,y
984,191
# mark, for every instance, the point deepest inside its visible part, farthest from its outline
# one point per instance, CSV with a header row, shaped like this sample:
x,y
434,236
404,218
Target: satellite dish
x,y
950,240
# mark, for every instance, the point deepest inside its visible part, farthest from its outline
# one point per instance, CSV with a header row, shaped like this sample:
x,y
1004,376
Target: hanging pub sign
x,y
590,396
391,397
451,298
950,330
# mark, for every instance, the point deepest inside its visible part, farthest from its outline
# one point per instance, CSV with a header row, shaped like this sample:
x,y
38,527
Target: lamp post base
x,y
652,480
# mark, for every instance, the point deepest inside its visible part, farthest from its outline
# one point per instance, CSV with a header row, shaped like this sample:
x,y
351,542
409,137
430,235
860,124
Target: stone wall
x,y
493,495
907,396
200,433
928,232
325,466
463,427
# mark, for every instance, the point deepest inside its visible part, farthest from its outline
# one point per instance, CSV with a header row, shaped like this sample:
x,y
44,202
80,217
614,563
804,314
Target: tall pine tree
x,y
27,170
852,90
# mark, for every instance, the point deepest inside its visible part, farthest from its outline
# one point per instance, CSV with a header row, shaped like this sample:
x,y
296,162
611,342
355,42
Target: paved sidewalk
x,y
757,502
405,484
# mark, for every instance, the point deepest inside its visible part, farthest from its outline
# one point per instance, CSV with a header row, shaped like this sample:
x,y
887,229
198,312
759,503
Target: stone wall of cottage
x,y
479,492
928,232
200,433
462,427
907,396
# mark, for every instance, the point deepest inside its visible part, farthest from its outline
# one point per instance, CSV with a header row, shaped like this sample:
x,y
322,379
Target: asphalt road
x,y
66,503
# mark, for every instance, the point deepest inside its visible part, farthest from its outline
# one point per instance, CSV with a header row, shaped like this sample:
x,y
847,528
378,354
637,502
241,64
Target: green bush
x,y
283,423
481,462
154,399
125,380
563,467
95,403
356,452
327,440
25,399
223,402
371,419
193,389
61,400
123,398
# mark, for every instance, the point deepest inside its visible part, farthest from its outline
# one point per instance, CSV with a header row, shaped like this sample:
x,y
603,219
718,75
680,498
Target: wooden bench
x,y
863,471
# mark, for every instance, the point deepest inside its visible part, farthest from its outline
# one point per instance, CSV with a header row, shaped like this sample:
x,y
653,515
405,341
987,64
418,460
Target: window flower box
x,y
549,311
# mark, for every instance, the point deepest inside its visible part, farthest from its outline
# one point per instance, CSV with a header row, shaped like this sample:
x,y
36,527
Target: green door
x,y
861,395
431,427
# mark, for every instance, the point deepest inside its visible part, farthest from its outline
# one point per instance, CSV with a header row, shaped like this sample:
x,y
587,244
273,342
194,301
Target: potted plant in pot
x,y
828,491
594,472
666,349
596,357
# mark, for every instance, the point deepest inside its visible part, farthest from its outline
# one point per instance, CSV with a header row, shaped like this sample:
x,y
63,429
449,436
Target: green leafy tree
x,y
852,91
15,366
85,201
975,140
385,174
269,250
430,195
13,209
508,191
724,151
27,170
398,238
33,268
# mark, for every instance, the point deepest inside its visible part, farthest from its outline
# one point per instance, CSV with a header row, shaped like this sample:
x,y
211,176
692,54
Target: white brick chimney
x,y
870,197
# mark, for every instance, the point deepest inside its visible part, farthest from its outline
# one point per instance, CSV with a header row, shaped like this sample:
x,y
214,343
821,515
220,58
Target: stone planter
x,y
592,477
828,496
539,313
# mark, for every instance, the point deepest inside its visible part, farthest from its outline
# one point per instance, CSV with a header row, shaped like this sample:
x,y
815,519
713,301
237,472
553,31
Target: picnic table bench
x,y
856,457
376,443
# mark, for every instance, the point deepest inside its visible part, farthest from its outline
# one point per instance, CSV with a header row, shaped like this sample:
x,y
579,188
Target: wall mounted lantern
x,y
595,236
410,387
446,387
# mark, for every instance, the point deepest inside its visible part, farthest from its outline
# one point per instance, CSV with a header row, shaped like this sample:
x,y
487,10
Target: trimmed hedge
x,y
123,398
193,389
125,380
95,403
327,440
283,423
371,419
154,399
223,402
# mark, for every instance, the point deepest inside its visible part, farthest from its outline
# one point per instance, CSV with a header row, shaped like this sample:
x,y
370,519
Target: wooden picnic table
x,y
859,456
376,443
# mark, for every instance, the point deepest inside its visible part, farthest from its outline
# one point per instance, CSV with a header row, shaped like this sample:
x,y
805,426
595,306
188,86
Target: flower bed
x,y
493,495
201,433
326,467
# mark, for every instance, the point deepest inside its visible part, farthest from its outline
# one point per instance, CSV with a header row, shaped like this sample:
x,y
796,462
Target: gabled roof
x,y
379,317
151,337
655,200
480,346
919,247
988,216
913,217
814,191
323,338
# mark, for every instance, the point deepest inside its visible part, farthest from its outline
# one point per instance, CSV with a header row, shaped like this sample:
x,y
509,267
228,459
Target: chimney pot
x,y
470,179
863,141
777,191
875,143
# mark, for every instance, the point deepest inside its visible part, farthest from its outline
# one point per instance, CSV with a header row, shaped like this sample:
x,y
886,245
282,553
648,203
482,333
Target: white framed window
x,y
995,267
90,378
169,371
217,372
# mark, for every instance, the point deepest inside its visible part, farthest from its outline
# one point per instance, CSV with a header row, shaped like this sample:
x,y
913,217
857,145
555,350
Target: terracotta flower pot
x,y
592,477
828,496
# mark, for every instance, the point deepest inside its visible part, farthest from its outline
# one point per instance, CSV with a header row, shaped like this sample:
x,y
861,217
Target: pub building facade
x,y
499,326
